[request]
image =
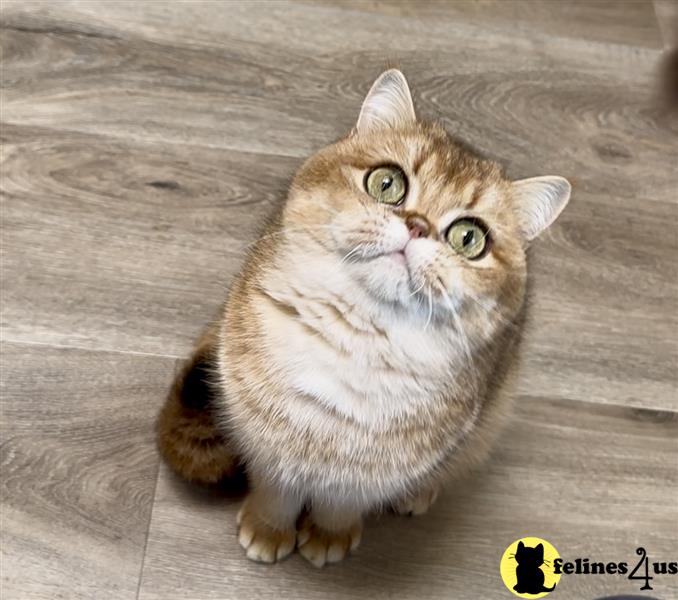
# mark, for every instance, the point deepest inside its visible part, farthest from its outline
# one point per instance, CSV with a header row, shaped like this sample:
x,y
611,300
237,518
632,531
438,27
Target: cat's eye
x,y
469,238
386,184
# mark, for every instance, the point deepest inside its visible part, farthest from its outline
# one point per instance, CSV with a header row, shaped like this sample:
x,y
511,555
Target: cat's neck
x,y
319,287
368,360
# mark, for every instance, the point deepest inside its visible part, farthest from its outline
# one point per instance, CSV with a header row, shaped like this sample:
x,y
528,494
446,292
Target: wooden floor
x,y
143,144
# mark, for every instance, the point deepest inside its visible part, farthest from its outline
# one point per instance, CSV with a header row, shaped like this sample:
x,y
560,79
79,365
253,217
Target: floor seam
x,y
148,530
540,398
6,340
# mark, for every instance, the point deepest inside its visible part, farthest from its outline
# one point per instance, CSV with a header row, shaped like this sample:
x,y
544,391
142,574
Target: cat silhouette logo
x,y
527,568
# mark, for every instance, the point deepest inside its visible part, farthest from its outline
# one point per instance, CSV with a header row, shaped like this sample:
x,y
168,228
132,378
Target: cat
x,y
530,576
357,361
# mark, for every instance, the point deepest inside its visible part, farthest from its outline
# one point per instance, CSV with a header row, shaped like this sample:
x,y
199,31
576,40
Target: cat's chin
x,y
387,277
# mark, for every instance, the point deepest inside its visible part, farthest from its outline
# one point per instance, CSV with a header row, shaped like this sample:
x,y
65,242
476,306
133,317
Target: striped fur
x,y
350,378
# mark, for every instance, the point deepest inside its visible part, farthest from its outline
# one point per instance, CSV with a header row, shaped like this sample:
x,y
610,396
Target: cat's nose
x,y
418,226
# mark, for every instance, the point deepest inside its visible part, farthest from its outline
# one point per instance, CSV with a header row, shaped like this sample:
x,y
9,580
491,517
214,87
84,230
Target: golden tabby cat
x,y
357,360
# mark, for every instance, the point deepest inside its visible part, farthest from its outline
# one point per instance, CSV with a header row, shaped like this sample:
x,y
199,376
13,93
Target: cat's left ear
x,y
538,202
387,104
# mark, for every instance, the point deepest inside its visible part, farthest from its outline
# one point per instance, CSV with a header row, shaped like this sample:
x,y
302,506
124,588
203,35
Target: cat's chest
x,y
370,368
379,399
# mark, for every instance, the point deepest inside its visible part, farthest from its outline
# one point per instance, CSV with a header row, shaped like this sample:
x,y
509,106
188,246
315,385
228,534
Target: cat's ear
x,y
521,546
540,549
387,104
538,202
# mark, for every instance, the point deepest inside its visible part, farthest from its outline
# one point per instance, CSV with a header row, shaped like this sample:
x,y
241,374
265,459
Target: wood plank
x,y
603,309
584,109
629,22
594,481
667,16
143,145
125,264
185,72
78,470
132,245
318,25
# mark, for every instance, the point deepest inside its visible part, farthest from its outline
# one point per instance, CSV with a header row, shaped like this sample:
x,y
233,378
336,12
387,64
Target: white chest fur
x,y
345,356
367,361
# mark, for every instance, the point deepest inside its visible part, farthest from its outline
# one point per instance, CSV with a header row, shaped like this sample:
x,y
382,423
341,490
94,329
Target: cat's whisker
x,y
429,293
351,253
463,338
415,292
445,295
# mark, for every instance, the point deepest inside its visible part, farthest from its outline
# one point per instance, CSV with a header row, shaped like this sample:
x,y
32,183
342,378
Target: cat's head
x,y
530,556
415,217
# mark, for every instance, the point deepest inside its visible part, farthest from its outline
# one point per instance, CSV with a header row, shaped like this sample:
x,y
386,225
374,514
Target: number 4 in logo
x,y
642,562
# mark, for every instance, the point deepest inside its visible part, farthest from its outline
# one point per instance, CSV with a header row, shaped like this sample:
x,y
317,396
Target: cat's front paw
x,y
320,546
417,504
261,542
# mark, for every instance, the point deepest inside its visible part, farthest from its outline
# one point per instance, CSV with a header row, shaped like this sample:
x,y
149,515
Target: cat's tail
x,y
187,435
545,589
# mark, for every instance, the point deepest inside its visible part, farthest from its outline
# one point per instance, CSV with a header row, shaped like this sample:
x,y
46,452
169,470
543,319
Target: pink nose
x,y
418,226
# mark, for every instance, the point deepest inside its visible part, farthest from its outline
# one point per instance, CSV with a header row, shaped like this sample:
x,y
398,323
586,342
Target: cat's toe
x,y
416,505
261,542
319,546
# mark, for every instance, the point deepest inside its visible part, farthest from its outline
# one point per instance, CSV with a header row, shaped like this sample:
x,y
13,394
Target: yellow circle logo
x,y
527,568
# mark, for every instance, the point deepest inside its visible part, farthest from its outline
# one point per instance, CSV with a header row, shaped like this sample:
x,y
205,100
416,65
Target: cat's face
x,y
416,219
530,556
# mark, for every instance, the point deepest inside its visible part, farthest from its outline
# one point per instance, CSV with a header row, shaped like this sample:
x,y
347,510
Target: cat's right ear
x,y
387,104
521,545
538,202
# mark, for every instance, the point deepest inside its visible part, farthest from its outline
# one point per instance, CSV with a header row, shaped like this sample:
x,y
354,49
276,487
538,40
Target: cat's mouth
x,y
398,256
398,265
406,267
397,275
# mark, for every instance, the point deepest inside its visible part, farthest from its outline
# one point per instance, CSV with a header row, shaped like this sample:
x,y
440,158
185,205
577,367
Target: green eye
x,y
468,238
386,184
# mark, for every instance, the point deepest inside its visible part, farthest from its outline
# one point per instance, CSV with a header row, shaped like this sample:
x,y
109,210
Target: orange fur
x,y
187,435
358,365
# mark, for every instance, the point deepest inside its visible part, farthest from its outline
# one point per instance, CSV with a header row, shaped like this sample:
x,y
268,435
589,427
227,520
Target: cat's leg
x,y
267,521
328,533
187,436
417,503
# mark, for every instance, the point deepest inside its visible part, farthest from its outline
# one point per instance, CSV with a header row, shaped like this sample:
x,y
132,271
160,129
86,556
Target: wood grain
x,y
595,481
133,244
222,77
629,22
594,124
667,17
78,470
144,145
